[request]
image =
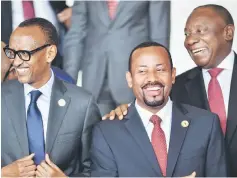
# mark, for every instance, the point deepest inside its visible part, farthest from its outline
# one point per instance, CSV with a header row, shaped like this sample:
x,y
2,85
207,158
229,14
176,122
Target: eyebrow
x,y
146,65
142,66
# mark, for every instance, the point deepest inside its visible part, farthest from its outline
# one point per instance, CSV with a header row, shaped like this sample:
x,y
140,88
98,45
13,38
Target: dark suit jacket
x,y
62,75
189,88
69,127
6,23
122,148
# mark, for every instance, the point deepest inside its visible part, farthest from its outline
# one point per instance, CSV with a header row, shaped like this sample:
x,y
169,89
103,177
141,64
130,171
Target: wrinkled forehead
x,y
26,38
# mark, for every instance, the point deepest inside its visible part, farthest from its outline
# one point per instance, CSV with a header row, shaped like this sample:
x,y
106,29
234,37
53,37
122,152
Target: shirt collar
x,y
45,89
164,113
227,63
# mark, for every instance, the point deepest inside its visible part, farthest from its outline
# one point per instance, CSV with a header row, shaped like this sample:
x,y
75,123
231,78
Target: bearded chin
x,y
154,103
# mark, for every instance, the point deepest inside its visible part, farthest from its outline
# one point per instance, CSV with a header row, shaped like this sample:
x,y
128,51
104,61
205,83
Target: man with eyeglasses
x,y
8,71
46,123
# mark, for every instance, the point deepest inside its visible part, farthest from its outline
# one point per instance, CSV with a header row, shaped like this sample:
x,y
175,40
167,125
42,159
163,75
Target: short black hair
x,y
148,44
222,11
47,28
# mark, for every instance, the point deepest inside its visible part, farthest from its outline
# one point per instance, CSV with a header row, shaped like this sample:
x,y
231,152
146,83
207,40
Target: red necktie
x,y
28,9
159,143
215,97
112,6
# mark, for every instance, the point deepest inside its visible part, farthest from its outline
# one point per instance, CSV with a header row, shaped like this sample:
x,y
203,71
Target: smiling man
x,y
212,85
46,122
157,137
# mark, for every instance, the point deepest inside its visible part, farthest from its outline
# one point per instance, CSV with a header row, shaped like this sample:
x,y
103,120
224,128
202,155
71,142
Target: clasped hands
x,y
25,167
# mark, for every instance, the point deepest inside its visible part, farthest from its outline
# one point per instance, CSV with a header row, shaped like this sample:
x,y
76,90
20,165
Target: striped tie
x,y
112,6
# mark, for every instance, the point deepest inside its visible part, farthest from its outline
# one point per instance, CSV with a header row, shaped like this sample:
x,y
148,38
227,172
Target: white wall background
x,y
180,10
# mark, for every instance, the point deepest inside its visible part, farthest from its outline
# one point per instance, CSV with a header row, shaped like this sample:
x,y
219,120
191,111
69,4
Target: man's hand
x,y
65,17
191,175
23,167
48,169
120,111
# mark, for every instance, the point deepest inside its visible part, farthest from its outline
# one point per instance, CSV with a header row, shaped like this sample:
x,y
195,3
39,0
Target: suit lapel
x,y
196,90
177,136
117,12
56,112
103,12
15,102
135,127
232,110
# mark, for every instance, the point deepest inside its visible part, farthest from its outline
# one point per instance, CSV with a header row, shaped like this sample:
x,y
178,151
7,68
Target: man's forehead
x,y
149,54
22,42
151,50
204,14
25,37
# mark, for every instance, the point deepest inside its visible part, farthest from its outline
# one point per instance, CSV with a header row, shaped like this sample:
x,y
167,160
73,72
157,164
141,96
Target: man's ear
x,y
229,32
129,79
173,75
51,53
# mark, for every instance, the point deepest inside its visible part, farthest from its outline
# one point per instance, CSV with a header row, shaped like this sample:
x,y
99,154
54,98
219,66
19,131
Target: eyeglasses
x,y
23,54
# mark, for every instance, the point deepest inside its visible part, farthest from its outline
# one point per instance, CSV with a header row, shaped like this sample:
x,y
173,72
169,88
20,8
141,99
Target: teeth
x,y
22,70
153,88
198,50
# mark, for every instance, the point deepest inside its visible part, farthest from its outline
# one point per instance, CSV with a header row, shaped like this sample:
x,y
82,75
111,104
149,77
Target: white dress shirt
x,y
43,101
42,9
224,78
166,116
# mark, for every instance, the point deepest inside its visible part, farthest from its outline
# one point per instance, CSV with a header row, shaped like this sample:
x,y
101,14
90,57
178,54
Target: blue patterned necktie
x,y
35,128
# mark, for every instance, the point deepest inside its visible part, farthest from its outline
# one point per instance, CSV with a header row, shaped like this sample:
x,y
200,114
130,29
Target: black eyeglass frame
x,y
30,53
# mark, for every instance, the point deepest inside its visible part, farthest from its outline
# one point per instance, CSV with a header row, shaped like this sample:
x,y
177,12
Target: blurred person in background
x,y
101,36
7,72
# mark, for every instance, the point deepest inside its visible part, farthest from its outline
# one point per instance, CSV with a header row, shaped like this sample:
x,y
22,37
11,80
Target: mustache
x,y
152,84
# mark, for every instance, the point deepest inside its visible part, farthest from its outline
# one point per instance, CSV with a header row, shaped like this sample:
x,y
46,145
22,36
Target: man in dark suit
x,y
41,114
100,39
209,36
157,137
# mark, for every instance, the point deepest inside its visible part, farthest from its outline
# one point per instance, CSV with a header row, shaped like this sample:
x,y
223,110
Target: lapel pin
x,y
184,123
61,102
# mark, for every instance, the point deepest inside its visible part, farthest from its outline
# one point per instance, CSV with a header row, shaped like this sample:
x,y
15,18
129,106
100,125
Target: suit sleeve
x,y
92,117
103,162
216,154
159,24
74,40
